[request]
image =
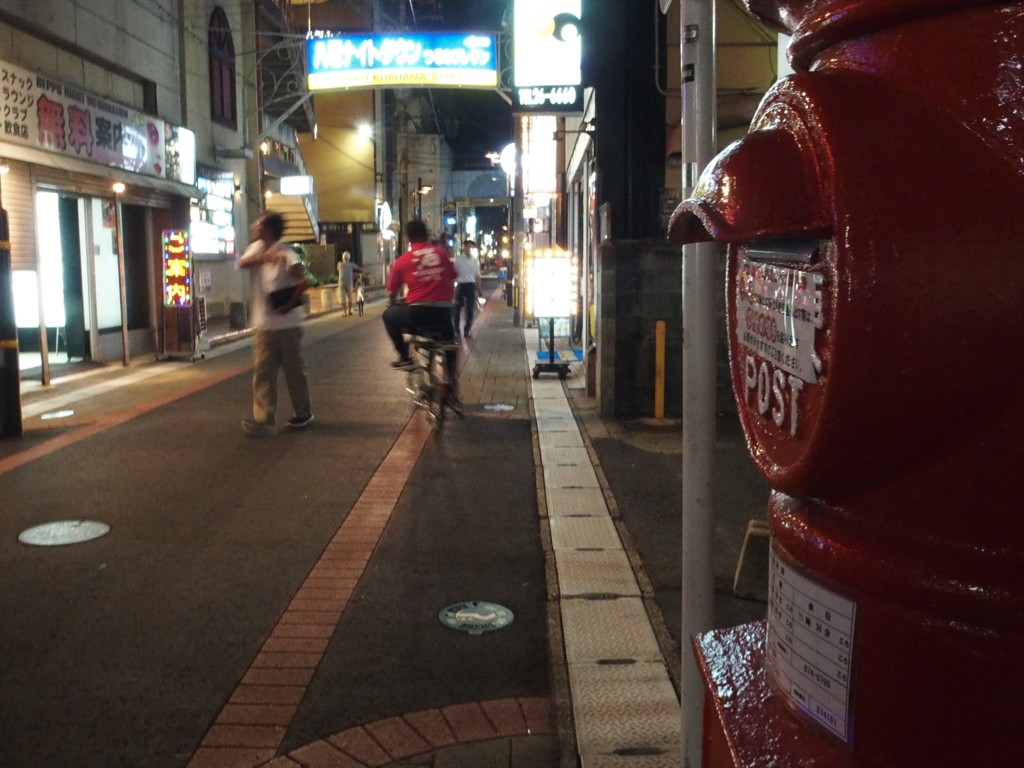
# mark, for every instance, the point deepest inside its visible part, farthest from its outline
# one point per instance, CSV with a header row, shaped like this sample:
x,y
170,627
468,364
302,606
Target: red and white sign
x,y
177,269
43,113
778,311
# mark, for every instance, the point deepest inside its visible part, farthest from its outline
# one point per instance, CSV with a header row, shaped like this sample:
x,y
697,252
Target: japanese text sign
x,y
428,59
177,269
47,114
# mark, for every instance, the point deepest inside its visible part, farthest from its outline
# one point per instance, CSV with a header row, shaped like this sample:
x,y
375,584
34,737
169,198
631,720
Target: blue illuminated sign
x,y
427,59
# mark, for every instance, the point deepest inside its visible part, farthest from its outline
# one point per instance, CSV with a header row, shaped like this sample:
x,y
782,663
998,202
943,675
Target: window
x,y
222,71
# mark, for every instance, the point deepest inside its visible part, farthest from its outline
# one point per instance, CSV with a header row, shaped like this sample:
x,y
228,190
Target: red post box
x,y
875,222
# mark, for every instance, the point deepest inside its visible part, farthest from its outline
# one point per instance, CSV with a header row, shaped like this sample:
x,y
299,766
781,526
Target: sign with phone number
x,y
810,646
778,311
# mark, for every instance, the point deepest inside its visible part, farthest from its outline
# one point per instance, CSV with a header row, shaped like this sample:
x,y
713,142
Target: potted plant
x,y
318,295
333,299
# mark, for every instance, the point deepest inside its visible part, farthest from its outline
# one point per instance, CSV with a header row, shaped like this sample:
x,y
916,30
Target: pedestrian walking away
x,y
467,287
427,274
278,282
360,297
346,281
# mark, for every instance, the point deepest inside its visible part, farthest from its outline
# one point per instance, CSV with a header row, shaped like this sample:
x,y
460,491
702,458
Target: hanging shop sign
x,y
295,185
213,219
547,70
428,59
177,269
43,113
181,154
540,158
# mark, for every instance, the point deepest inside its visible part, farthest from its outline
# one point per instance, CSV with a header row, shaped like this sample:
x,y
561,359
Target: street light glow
x,y
508,159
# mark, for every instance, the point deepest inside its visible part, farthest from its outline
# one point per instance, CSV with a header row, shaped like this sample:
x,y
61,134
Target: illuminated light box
x,y
427,59
177,269
550,282
296,185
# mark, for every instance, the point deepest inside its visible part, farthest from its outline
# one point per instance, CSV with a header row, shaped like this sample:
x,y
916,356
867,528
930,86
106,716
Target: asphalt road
x,y
128,649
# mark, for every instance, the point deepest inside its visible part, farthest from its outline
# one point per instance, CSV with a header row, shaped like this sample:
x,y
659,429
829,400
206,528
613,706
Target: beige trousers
x,y
271,351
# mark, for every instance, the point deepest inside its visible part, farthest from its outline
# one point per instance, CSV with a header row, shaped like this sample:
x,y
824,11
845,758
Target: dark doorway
x,y
136,265
71,260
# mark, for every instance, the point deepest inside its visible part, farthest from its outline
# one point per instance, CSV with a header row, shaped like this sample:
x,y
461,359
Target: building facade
x,y
166,102
89,104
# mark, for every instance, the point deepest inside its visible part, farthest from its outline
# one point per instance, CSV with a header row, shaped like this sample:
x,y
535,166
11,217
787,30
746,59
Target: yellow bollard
x,y
659,369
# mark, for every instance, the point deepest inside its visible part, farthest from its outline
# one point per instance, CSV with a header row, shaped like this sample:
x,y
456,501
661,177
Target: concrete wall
x,y
195,39
229,285
639,283
74,40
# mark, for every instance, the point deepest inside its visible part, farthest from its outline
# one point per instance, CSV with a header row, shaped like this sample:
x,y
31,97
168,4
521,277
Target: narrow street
x,y
265,597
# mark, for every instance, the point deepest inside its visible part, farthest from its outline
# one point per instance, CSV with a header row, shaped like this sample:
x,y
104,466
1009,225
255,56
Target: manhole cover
x,y
499,407
476,617
63,532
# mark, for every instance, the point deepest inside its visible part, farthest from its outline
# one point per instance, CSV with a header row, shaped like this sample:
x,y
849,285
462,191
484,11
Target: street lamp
x,y
118,189
421,190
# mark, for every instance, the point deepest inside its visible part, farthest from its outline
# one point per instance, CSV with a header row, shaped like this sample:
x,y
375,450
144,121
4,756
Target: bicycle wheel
x,y
438,387
416,385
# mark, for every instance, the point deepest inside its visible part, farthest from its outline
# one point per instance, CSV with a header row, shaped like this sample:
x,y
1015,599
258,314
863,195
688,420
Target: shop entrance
x,y
76,345
75,295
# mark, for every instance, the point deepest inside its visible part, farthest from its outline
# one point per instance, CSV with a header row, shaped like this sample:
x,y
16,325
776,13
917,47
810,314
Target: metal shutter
x,y
19,202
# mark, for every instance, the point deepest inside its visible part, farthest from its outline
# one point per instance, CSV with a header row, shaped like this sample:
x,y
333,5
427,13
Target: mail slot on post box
x,y
875,222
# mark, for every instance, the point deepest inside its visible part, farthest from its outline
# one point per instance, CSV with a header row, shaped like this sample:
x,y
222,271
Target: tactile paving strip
x,y
608,630
624,706
586,573
558,421
584,533
559,438
566,456
552,406
576,501
626,710
570,476
670,758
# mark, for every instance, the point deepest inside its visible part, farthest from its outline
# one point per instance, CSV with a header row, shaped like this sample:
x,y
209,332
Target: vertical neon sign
x,y
177,269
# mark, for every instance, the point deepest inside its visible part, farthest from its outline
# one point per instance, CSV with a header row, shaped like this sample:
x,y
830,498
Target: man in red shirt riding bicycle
x,y
428,275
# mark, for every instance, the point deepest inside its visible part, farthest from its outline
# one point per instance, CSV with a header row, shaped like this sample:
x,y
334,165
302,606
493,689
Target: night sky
x,y
473,121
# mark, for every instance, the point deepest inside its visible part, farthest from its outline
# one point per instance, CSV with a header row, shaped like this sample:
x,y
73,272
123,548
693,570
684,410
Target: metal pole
x,y
517,232
120,278
659,369
697,58
506,258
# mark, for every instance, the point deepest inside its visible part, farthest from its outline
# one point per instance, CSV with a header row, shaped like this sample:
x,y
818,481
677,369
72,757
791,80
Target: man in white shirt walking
x,y
277,286
467,286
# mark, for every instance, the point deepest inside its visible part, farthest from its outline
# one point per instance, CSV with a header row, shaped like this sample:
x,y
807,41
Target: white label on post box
x,y
810,646
778,310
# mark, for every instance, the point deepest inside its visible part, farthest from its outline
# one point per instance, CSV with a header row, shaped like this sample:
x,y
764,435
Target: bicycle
x,y
427,380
